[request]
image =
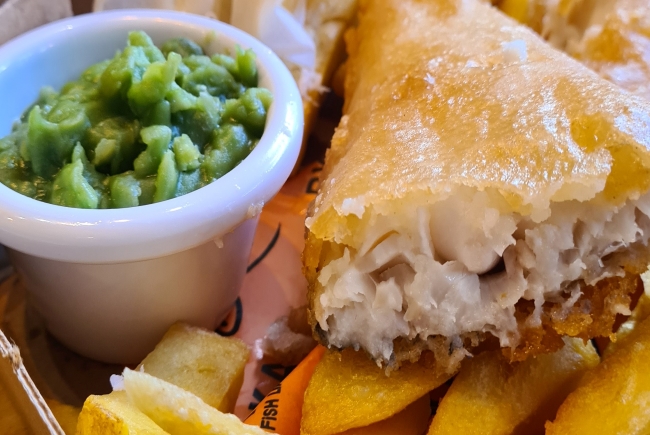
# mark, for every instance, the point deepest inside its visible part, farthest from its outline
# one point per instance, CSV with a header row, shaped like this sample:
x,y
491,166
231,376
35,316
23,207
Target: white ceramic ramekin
x,y
110,282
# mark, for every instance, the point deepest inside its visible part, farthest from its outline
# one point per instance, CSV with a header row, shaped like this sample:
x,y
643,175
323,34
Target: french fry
x,y
613,397
208,366
491,396
412,420
201,362
180,412
114,414
348,391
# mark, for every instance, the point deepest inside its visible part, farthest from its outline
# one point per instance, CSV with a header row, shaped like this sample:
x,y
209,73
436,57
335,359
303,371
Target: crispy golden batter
x,y
437,98
593,316
421,82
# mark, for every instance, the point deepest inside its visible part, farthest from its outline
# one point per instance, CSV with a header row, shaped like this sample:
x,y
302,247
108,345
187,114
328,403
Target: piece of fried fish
x,y
481,187
612,37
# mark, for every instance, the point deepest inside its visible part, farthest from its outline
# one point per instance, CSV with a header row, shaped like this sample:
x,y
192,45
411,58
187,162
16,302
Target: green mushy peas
x,y
148,125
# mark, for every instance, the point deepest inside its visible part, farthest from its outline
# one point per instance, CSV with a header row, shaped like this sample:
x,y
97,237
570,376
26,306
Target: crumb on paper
x,y
288,340
309,81
299,321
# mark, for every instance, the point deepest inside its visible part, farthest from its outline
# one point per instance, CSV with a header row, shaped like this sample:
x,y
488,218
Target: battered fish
x,y
482,187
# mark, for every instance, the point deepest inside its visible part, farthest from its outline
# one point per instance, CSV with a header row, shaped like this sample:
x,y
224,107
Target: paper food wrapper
x,y
274,286
19,16
281,410
24,409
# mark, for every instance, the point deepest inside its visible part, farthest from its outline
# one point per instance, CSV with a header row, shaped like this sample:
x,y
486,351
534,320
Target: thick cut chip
x,y
180,412
201,362
348,391
491,396
613,398
114,414
413,420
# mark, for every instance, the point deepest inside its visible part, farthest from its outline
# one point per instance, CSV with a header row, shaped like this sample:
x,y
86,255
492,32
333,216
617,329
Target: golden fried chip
x,y
348,390
114,414
613,397
201,362
412,420
180,412
491,396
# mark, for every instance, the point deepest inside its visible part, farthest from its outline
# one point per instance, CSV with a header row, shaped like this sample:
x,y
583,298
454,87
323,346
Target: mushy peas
x,y
148,125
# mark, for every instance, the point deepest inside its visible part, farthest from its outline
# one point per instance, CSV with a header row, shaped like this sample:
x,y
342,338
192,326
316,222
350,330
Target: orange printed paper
x,y
281,409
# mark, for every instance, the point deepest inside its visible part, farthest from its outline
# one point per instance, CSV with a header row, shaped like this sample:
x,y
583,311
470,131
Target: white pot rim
x,y
150,231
